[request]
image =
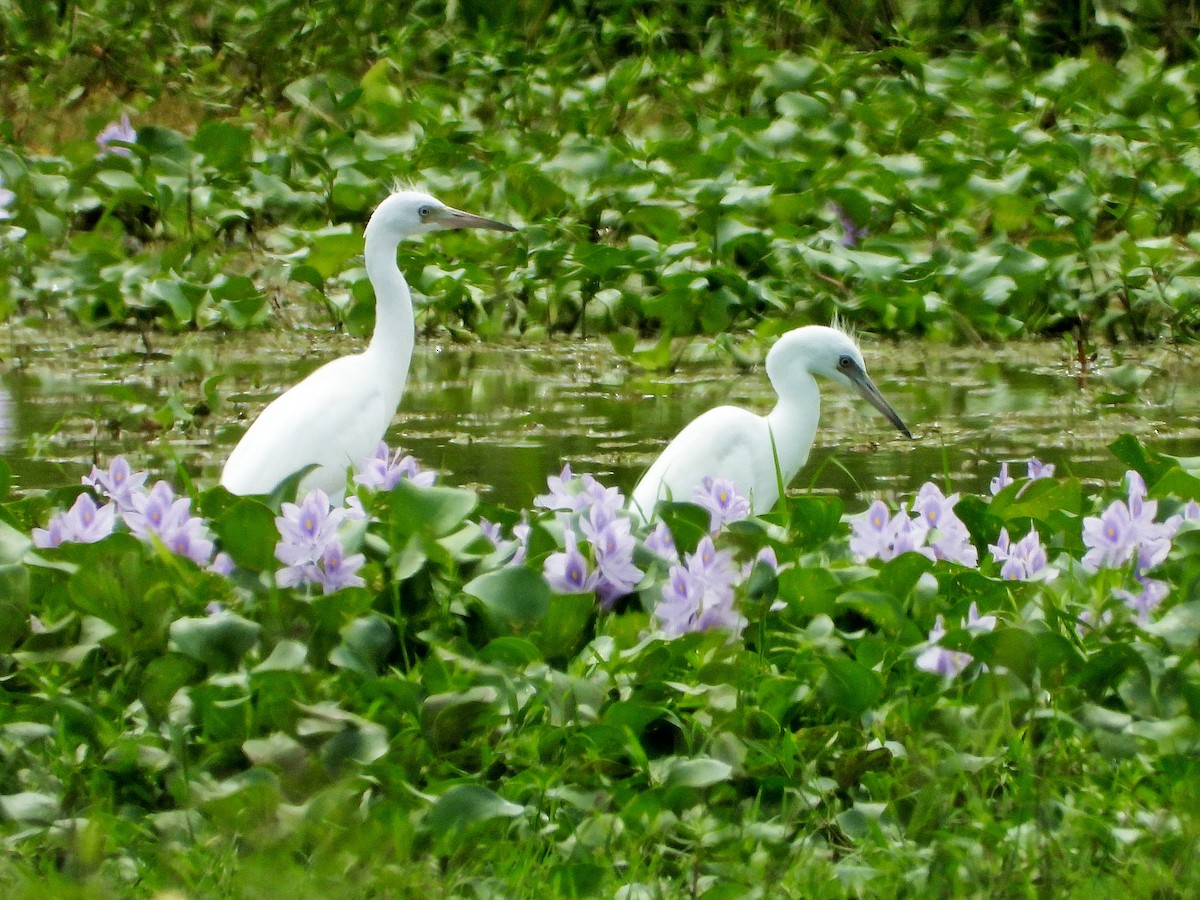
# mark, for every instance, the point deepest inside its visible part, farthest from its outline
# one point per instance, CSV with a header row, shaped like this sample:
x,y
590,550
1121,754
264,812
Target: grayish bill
x,y
871,394
456,218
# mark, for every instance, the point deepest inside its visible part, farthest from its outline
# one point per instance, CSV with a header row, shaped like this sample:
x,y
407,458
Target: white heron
x,y
733,443
335,417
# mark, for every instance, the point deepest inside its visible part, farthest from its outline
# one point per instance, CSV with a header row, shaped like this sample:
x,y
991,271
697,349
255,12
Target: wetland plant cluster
x,y
679,170
432,690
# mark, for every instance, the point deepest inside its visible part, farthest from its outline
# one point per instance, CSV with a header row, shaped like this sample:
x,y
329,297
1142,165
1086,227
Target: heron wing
x,y
333,419
726,442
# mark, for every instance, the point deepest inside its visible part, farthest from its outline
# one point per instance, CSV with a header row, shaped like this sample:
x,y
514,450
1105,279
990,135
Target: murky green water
x,y
501,418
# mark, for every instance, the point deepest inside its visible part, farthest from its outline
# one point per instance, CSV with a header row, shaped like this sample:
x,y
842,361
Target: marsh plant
x,y
440,677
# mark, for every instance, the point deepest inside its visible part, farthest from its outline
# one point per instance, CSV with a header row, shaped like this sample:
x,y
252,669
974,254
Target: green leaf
x,y
696,773
1179,626
433,510
447,720
564,627
218,641
30,807
248,534
850,686
515,599
365,645
464,805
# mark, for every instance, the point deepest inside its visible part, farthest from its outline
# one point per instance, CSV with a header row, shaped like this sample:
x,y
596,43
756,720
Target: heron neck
x,y
793,423
392,342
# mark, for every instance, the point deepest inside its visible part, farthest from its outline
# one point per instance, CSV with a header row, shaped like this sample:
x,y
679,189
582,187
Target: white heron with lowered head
x,y
336,417
735,444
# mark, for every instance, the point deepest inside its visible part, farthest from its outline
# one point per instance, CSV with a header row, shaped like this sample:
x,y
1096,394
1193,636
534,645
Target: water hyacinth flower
x,y
307,528
613,545
117,131
571,493
1023,561
157,511
951,540
333,571
851,233
950,663
723,502
519,545
1035,469
1109,537
7,198
222,564
661,543
876,535
1153,592
563,493
119,484
384,470
162,516
699,594
568,571
84,523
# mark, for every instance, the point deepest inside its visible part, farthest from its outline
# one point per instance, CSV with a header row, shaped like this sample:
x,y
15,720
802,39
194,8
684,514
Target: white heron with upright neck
x,y
336,417
757,452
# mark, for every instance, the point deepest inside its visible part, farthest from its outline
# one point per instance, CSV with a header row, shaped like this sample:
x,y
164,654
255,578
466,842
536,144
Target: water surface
x,y
500,418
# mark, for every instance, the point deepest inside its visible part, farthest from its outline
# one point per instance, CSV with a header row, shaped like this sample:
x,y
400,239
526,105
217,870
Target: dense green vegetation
x,y
451,718
447,718
679,168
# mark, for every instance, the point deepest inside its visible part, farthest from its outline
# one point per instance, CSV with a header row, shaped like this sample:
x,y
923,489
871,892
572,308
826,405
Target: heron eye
x,y
845,363
424,211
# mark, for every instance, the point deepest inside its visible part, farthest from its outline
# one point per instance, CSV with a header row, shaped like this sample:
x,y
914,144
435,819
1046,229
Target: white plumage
x,y
335,418
738,445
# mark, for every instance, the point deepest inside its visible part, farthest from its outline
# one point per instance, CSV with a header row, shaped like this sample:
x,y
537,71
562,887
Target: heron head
x,y
832,353
410,213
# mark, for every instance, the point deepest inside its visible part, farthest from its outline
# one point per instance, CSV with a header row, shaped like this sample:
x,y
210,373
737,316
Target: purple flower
x,y
158,512
568,572
1038,469
117,131
338,571
1110,537
190,539
491,530
384,470
6,201
851,233
1001,481
875,536
563,492
1152,593
939,660
307,529
869,532
699,595
1024,561
571,493
162,516
521,533
723,502
333,571
613,546
661,543
120,484
951,540
222,564
950,663
84,523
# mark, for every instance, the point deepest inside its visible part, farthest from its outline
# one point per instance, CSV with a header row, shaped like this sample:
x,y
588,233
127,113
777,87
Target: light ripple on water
x,y
505,417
